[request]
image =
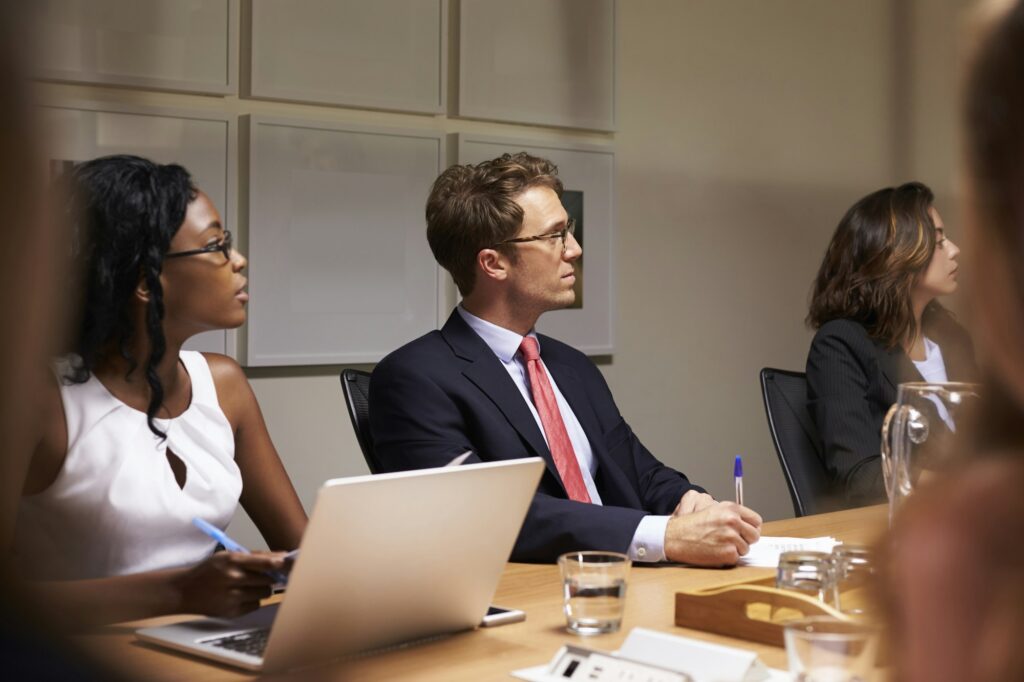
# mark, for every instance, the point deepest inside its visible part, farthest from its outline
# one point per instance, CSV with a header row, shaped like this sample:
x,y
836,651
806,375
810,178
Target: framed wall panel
x,y
548,62
588,174
161,44
341,270
204,143
386,54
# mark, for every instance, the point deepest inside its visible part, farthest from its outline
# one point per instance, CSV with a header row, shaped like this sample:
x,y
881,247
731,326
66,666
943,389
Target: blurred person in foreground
x,y
957,573
31,316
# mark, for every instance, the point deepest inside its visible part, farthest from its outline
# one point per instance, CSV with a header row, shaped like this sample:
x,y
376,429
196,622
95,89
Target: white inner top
x,y
932,368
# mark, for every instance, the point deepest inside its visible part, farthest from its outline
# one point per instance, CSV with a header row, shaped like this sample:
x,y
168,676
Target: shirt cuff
x,y
648,543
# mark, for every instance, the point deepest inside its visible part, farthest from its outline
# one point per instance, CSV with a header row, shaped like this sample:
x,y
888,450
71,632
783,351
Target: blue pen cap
x,y
737,468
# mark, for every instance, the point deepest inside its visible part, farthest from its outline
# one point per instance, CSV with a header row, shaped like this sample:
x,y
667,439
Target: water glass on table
x,y
822,649
808,572
853,571
594,589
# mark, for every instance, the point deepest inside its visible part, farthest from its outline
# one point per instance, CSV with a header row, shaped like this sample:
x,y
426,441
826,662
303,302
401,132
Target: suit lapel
x,y
896,366
613,485
956,355
487,373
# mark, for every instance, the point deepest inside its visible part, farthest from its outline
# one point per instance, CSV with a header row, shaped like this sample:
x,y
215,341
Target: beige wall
x,y
745,130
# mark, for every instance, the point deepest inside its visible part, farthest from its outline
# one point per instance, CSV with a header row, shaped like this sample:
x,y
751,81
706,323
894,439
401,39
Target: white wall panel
x,y
341,270
184,45
549,62
386,54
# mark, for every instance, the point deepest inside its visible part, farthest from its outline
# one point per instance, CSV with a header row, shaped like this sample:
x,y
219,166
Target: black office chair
x,y
796,441
355,384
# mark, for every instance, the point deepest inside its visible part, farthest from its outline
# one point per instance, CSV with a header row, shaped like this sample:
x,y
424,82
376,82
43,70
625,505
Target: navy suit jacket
x,y
447,392
851,383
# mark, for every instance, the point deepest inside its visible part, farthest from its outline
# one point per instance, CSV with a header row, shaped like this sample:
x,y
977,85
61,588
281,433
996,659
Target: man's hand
x,y
718,535
693,501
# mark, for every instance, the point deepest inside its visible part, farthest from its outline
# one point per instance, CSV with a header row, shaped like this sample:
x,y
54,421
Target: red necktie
x,y
551,419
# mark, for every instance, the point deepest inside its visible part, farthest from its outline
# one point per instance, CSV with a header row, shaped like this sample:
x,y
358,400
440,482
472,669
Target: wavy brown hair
x,y
471,208
879,251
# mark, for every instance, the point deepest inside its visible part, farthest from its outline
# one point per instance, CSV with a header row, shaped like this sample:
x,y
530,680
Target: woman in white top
x,y
140,437
878,321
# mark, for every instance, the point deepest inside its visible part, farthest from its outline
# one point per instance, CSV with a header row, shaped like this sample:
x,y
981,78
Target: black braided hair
x,y
124,210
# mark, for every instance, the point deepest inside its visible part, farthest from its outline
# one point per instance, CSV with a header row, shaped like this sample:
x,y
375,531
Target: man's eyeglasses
x,y
563,234
224,246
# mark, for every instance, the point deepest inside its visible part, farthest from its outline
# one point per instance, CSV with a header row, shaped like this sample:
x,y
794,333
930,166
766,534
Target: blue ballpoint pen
x,y
219,535
737,474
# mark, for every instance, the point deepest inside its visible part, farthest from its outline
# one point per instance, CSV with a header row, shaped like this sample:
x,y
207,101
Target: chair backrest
x,y
355,385
796,440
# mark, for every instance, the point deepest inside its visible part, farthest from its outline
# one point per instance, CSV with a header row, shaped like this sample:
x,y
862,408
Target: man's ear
x,y
492,264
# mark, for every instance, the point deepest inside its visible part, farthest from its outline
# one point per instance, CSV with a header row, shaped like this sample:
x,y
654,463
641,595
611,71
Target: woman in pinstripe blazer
x,y
878,323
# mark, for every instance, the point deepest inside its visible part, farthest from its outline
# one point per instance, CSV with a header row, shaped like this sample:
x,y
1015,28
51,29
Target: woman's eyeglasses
x,y
563,234
224,246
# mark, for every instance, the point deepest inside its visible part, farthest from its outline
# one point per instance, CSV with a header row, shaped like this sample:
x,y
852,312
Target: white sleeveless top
x,y
115,507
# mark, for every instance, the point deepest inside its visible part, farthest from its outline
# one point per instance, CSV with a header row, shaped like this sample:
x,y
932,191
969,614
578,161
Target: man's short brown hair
x,y
471,208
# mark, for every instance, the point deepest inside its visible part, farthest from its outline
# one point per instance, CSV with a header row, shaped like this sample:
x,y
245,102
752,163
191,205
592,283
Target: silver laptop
x,y
385,559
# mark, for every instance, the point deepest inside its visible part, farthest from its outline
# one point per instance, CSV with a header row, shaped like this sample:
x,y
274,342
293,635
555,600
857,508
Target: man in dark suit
x,y
487,383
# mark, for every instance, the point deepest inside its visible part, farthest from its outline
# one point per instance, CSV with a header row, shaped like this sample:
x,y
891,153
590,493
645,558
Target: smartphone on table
x,y
499,615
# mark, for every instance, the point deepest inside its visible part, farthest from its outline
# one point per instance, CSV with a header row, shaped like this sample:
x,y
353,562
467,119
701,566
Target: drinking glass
x,y
807,572
917,434
594,588
853,569
822,649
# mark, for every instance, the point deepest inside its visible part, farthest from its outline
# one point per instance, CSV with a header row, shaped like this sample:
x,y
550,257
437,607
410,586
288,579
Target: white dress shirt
x,y
649,539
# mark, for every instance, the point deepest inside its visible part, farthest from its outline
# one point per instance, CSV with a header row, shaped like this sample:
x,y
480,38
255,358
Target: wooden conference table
x,y
491,653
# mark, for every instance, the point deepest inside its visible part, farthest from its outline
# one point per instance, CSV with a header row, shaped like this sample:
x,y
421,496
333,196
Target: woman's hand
x,y
229,584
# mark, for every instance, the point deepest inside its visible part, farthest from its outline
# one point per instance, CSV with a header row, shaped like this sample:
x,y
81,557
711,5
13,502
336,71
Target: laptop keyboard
x,y
252,642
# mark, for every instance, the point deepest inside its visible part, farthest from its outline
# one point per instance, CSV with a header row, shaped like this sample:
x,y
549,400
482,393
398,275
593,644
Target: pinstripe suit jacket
x,y
851,383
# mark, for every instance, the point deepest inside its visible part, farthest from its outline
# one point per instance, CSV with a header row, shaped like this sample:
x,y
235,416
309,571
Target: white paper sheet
x,y
765,552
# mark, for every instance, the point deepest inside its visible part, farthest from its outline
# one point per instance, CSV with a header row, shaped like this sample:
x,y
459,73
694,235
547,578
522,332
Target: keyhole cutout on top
x,y
178,468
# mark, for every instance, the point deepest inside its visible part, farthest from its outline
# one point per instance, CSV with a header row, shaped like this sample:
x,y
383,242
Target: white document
x,y
655,657
765,552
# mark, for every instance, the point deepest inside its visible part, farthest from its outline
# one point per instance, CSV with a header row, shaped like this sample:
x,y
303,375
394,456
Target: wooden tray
x,y
755,610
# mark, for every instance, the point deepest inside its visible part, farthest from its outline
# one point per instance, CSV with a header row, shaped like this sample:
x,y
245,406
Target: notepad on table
x,y
765,552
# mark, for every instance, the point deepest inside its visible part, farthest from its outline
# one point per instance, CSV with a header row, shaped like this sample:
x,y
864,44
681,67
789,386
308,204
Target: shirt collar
x,y
503,342
931,349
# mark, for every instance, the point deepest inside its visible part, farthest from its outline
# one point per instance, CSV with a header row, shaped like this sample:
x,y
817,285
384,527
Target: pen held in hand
x,y
737,474
232,546
219,535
